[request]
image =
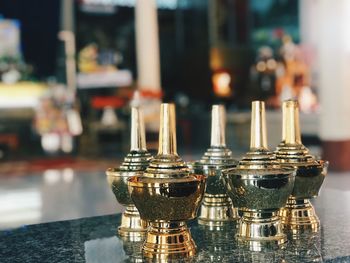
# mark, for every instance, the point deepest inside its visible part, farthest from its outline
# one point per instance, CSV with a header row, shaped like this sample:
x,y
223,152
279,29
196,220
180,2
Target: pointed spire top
x,y
218,125
258,126
290,123
138,137
167,130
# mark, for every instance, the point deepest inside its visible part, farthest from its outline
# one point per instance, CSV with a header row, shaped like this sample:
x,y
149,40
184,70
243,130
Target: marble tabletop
x,y
94,239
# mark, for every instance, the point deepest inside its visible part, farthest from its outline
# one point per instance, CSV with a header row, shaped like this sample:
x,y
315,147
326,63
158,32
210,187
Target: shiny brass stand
x,y
216,209
259,187
256,228
167,195
299,215
166,241
132,226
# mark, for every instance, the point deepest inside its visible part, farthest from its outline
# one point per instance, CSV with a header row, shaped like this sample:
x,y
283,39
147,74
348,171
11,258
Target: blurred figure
x,y
292,73
91,59
307,100
263,72
56,121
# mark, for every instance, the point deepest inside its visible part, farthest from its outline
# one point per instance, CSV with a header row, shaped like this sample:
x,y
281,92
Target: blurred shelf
x,y
21,95
109,79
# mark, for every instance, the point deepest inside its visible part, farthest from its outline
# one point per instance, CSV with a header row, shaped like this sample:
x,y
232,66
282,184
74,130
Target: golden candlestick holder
x,y
216,209
167,195
259,187
299,214
135,163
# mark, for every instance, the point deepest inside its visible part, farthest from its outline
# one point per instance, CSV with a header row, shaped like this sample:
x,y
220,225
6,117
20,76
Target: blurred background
x,y
69,71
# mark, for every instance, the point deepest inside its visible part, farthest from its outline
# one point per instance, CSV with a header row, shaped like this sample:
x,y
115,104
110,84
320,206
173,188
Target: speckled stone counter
x,y
94,239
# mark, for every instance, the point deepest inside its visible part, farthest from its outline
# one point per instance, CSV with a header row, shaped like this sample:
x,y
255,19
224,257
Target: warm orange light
x,y
271,64
261,66
307,100
221,82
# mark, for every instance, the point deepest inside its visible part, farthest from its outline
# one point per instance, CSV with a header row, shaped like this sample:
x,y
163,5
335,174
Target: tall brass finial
x,y
167,130
218,123
291,124
299,214
258,126
216,209
257,175
167,195
132,227
138,138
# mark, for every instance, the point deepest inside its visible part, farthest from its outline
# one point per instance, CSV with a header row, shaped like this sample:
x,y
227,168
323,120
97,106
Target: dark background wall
x,y
39,21
183,36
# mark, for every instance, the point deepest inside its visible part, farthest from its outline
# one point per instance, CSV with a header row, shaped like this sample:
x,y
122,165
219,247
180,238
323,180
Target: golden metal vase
x,y
299,215
259,187
216,209
132,226
167,195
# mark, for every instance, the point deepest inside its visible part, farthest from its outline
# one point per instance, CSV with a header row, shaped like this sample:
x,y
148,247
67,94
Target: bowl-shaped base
x,y
217,211
299,216
132,226
260,230
167,241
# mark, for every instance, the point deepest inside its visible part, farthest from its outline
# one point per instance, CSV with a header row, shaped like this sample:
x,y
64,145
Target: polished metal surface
x,y
258,139
259,187
135,163
174,237
216,209
299,215
167,195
